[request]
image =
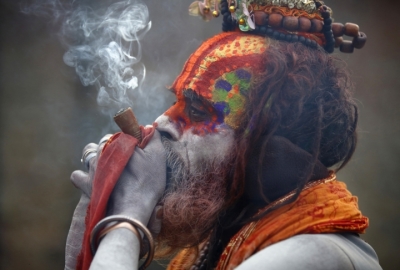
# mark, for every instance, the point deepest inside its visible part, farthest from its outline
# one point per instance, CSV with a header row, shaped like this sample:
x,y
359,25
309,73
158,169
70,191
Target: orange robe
x,y
324,206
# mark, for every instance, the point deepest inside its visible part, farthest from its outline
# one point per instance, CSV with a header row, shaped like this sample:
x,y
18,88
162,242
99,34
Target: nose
x,y
165,125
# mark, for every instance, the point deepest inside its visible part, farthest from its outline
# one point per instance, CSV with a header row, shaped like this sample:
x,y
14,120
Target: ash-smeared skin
x,y
193,148
197,130
202,124
199,147
136,194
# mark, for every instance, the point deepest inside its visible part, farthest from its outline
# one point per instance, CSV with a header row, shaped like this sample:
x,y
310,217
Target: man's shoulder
x,y
314,252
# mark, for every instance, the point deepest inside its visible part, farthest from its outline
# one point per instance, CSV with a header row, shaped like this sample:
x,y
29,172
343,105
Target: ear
x,y
281,168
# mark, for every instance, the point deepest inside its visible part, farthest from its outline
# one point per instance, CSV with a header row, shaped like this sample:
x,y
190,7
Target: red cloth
x,y
111,163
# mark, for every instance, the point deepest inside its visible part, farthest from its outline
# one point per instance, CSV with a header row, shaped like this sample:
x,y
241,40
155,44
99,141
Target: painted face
x,y
211,97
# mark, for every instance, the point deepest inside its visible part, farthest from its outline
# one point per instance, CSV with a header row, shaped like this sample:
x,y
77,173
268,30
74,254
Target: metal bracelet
x,y
87,156
121,218
125,225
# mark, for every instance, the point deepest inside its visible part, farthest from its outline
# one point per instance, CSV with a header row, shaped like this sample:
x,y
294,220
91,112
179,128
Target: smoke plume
x,y
105,41
103,45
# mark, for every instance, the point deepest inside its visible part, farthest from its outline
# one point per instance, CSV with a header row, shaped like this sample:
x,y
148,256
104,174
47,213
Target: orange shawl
x,y
325,206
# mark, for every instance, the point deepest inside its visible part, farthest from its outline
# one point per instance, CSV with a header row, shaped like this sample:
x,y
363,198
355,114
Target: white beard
x,y
196,190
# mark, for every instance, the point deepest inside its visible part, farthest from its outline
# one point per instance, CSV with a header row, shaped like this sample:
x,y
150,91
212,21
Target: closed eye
x,y
198,115
197,108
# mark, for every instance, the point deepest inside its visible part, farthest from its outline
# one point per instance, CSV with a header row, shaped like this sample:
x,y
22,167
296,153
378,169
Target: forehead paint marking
x,y
222,84
243,74
243,83
228,95
213,51
206,84
219,95
222,107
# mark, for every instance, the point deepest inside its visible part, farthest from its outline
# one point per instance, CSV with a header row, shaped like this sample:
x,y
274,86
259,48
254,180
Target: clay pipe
x,y
126,120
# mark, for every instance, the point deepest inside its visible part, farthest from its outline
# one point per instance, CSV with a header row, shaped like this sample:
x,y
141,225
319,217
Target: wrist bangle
x,y
94,239
125,225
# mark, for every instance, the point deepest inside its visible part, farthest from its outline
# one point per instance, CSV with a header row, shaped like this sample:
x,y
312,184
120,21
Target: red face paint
x,y
212,87
194,112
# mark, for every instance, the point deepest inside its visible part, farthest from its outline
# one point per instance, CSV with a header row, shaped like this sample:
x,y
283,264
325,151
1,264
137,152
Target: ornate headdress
x,y
305,21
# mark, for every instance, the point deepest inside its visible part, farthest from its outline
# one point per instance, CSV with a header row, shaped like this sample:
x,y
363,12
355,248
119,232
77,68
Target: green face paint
x,y
229,94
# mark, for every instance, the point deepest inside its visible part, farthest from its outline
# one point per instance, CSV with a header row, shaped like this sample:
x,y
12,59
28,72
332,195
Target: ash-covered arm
x,y
315,252
119,250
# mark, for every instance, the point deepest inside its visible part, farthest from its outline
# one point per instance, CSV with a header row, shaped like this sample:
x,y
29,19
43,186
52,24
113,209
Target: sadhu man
x,y
240,171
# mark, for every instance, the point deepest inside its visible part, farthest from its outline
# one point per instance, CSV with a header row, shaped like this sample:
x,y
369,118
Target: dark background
x,y
47,117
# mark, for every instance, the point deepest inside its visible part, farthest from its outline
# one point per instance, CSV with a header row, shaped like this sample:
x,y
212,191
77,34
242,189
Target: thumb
x,y
81,180
155,144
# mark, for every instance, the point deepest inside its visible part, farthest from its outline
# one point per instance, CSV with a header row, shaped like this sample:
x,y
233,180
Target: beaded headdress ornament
x,y
305,21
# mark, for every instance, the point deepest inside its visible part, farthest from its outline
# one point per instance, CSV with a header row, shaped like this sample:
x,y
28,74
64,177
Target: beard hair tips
x,y
193,199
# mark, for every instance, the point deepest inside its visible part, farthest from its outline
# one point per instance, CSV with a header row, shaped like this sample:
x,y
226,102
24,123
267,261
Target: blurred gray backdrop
x,y
47,117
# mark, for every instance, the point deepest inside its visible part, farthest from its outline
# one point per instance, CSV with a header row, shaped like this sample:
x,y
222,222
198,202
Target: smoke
x,y
105,42
109,54
103,45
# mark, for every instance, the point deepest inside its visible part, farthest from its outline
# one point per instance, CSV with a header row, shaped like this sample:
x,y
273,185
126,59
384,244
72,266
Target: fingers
x,y
154,154
155,145
92,150
105,138
92,164
81,180
90,146
102,142
142,183
88,153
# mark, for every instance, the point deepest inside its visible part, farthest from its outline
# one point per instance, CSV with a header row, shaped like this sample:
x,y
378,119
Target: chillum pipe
x,y
127,122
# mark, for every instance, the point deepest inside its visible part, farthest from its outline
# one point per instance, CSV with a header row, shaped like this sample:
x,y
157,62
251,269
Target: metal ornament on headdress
x,y
206,9
306,5
247,18
305,21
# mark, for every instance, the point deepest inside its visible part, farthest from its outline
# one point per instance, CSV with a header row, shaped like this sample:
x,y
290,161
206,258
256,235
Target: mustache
x,y
176,168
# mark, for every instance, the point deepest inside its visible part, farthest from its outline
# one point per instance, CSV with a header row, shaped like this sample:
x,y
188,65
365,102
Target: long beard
x,y
193,200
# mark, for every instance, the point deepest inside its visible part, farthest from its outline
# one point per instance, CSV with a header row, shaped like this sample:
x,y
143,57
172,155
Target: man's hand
x,y
142,183
83,181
